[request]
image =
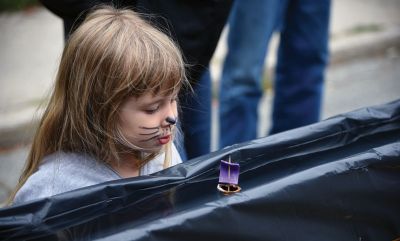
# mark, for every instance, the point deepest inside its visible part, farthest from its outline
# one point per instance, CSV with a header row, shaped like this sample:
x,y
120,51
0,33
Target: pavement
x,y
31,43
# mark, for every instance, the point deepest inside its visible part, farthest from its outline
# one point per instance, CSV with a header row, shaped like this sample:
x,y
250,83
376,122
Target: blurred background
x,y
364,69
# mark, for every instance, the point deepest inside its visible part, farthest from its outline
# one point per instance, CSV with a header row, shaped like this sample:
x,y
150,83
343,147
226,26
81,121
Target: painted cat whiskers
x,y
157,132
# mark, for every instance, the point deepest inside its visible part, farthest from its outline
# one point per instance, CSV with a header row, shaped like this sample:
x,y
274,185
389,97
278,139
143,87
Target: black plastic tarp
x,y
338,179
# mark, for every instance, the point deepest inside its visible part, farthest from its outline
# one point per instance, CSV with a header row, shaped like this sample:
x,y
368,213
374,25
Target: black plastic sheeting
x,y
338,179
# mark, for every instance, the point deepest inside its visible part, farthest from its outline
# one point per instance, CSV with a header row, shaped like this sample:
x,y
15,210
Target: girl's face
x,y
147,121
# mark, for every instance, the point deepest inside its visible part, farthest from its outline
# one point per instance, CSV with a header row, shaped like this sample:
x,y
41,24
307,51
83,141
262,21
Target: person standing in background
x,y
196,26
301,62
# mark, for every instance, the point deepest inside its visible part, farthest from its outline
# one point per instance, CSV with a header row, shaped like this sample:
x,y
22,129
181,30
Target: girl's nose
x,y
171,120
171,114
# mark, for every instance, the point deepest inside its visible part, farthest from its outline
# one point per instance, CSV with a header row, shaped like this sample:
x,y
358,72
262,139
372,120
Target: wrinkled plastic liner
x,y
338,179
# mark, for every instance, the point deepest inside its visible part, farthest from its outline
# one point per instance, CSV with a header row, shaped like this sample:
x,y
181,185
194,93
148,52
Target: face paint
x,y
147,121
171,120
162,135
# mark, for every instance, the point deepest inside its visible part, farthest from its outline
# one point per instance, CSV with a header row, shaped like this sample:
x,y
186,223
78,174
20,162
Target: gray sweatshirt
x,y
61,172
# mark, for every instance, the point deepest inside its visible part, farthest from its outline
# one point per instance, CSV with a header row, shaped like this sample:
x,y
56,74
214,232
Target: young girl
x,y
113,110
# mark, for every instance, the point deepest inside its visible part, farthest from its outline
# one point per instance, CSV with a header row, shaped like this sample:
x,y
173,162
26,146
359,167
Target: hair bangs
x,y
153,64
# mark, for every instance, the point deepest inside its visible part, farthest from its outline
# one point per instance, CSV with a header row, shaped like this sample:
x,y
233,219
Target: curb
x,y
21,134
365,45
19,127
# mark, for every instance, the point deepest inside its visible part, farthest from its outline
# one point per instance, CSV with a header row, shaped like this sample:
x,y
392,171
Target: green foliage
x,y
14,5
365,28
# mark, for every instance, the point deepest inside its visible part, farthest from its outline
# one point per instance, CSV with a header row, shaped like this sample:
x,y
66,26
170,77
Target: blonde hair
x,y
113,55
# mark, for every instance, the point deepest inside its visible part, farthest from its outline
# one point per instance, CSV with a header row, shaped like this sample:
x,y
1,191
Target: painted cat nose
x,y
171,120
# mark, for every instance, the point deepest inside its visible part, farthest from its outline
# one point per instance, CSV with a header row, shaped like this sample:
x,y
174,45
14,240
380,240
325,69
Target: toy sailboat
x,y
228,177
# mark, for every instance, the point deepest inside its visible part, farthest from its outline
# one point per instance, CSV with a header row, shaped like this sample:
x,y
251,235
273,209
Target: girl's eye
x,y
152,110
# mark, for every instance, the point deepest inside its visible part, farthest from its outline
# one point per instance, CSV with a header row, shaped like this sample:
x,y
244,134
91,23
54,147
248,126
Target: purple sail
x,y
229,173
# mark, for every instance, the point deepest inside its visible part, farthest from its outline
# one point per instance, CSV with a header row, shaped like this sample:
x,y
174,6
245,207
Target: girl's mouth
x,y
164,140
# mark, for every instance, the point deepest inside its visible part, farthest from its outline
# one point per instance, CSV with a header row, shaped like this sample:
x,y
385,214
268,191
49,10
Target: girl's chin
x,y
154,145
151,149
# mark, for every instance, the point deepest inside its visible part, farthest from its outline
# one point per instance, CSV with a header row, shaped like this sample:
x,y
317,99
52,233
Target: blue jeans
x,y
195,120
302,58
